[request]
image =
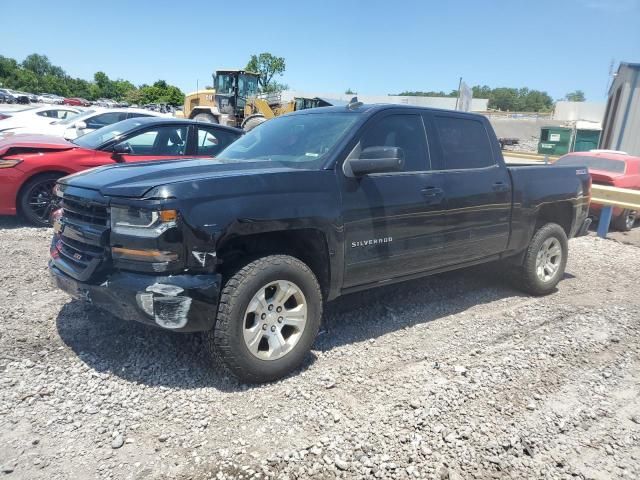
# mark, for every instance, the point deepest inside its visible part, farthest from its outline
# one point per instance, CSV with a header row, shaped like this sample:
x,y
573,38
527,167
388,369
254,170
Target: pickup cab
x,y
309,206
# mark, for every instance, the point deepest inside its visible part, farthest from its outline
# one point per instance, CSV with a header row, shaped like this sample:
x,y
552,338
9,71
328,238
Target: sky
x,y
369,46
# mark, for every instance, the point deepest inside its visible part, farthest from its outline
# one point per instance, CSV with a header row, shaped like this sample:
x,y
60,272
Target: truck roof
x,y
372,108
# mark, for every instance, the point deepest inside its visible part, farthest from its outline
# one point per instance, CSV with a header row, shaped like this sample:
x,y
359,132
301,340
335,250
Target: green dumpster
x,y
555,140
586,140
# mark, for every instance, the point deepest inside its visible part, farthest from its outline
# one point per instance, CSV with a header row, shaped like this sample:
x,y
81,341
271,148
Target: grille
x,y
82,242
85,212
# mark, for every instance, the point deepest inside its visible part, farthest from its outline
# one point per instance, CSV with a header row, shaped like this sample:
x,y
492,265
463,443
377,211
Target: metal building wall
x,y
621,128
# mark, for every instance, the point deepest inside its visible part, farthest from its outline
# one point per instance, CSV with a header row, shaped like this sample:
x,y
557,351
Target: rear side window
x,y
464,142
212,141
595,163
400,130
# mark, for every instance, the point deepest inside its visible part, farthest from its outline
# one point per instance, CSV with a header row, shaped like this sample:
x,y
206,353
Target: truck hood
x,y
136,179
16,144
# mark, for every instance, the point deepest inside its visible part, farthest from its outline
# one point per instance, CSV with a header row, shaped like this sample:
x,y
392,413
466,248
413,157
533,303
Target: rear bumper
x,y
183,303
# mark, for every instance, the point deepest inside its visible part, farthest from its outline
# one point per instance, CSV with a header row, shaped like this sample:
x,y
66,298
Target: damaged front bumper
x,y
183,303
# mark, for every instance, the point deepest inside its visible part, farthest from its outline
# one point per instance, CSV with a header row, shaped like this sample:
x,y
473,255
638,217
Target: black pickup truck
x,y
302,209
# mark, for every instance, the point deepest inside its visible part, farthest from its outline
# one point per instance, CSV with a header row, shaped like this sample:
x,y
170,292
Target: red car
x,y
30,165
613,168
77,102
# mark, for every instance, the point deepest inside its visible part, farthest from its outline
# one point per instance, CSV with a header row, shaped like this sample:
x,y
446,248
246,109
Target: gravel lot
x,y
457,376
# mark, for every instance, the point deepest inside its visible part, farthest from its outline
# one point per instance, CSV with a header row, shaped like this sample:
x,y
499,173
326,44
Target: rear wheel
x,y
545,260
268,318
205,117
36,199
626,221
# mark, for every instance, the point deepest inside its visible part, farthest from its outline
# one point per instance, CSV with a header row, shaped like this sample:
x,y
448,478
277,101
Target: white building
x,y
448,103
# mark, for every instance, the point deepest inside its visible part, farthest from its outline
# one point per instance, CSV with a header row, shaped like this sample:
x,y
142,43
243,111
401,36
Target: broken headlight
x,y
140,222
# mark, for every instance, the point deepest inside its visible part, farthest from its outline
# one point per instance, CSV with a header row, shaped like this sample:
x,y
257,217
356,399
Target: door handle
x,y
432,195
500,187
430,192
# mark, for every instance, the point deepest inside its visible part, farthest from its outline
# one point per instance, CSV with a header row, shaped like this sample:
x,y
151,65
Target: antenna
x,y
611,76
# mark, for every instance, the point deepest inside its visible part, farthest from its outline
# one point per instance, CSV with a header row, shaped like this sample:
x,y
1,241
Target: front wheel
x,y
268,317
545,260
36,199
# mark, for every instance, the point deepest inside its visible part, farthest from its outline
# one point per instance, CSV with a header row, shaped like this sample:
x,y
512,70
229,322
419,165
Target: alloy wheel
x,y
274,320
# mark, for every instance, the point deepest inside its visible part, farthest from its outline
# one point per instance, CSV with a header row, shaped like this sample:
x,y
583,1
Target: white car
x,y
51,99
34,117
84,122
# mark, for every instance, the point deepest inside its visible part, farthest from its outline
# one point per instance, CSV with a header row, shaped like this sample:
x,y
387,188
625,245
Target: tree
x,y
40,65
577,96
348,91
267,66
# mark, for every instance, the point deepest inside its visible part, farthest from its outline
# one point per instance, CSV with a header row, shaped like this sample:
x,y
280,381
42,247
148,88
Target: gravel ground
x,y
456,376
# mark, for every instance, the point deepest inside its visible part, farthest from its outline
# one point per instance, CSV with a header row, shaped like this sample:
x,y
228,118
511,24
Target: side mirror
x,y
80,125
121,148
377,160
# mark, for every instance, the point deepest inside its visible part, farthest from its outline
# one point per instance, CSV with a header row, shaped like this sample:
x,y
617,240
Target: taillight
x,y
3,116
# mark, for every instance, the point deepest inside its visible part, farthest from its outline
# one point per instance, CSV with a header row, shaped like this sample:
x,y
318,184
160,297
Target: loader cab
x,y
233,87
302,103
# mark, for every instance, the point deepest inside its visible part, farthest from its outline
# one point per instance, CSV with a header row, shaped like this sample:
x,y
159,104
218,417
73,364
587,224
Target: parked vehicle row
x,y
73,126
12,96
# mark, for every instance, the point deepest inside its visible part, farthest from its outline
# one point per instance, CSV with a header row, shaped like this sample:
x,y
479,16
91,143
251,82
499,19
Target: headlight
x,y
142,223
9,162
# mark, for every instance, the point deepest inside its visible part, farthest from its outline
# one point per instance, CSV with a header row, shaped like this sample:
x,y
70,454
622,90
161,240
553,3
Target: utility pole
x,y
459,87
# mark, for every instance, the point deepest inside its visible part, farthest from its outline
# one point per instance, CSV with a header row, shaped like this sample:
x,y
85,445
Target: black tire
x,y
36,201
626,221
528,276
205,117
226,341
252,122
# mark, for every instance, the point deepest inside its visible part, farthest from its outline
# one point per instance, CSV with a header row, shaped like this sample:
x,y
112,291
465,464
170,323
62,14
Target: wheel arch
x,y
558,212
309,245
37,174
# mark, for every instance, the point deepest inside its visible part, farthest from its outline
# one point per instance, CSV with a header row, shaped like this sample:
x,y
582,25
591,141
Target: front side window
x,y
405,131
212,141
224,84
296,141
464,143
163,141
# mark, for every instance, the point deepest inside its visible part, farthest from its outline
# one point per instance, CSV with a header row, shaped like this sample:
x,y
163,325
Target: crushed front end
x,y
130,258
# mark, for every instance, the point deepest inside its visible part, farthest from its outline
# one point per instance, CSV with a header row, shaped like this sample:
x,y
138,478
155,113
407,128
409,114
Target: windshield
x,y
74,118
224,84
298,141
93,140
596,163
